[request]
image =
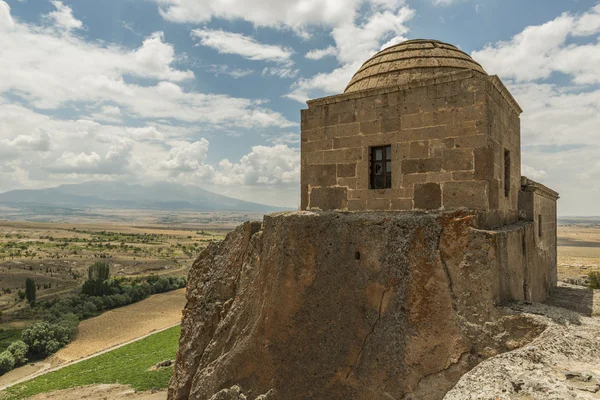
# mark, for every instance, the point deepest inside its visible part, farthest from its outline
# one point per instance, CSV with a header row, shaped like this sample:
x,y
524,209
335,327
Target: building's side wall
x,y
527,271
536,205
438,131
504,127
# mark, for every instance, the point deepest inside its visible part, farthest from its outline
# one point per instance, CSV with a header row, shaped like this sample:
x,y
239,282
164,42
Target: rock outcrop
x,y
562,363
335,305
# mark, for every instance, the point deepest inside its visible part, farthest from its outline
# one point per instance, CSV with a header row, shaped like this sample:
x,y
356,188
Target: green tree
x,y
19,350
30,289
7,362
99,271
96,284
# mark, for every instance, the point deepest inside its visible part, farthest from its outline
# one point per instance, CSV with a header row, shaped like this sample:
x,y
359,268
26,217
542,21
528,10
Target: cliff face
x,y
343,306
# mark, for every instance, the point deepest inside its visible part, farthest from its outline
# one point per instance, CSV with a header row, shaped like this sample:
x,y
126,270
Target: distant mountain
x,y
160,196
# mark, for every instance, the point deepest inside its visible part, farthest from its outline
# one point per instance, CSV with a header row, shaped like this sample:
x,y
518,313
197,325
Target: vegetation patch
x,y
594,279
128,365
7,336
61,316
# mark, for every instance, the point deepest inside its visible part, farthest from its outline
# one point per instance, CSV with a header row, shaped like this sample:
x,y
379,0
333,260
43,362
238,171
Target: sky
x,y
209,92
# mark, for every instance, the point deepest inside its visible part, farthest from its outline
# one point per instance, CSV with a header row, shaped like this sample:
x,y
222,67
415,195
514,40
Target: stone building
x,y
355,301
422,126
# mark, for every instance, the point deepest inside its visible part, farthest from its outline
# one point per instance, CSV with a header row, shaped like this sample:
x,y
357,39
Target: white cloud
x,y
145,133
540,50
187,157
245,46
264,165
532,173
235,73
281,72
63,17
355,43
6,20
52,69
295,14
317,54
323,83
25,142
289,138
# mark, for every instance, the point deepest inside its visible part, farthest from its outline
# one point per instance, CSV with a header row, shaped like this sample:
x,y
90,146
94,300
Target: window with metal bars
x,y
380,167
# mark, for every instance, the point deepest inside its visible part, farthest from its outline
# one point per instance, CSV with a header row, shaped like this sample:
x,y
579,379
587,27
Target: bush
x,y
7,362
594,278
19,350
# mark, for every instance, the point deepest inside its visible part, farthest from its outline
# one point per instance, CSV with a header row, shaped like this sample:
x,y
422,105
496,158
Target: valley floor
x,y
108,330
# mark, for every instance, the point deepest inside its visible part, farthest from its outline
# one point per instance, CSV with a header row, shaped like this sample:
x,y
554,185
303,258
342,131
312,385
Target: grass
x,y
7,336
127,365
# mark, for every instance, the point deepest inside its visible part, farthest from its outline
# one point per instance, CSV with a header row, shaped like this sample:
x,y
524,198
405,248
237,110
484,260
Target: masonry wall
x,y
536,204
442,147
526,271
504,128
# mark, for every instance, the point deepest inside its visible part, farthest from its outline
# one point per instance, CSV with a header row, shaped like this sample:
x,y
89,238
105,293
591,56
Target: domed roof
x,y
411,60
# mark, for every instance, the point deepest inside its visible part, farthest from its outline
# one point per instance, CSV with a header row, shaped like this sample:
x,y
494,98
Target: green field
x,y
127,365
7,336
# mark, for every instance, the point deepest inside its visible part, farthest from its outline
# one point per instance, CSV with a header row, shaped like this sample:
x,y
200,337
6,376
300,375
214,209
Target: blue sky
x,y
209,92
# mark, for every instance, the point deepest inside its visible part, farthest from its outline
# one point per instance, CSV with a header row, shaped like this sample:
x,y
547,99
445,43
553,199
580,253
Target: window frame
x,y
387,175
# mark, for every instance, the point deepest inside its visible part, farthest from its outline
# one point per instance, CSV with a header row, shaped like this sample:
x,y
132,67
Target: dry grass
x,y
57,255
578,251
122,325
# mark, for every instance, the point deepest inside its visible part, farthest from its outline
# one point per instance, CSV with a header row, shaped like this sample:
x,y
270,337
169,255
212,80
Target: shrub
x,y
19,350
7,362
594,278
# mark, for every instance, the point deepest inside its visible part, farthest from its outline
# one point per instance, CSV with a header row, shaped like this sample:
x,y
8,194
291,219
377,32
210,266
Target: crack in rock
x,y
364,342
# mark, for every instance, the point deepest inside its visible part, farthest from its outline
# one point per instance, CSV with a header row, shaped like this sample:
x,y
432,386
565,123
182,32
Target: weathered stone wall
x,y
346,306
504,130
444,133
538,203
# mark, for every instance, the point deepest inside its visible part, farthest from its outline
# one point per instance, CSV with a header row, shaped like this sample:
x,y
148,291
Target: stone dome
x,y
408,61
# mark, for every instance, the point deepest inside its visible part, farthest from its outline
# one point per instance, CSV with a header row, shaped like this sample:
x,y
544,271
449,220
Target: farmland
x,y
578,247
129,365
57,254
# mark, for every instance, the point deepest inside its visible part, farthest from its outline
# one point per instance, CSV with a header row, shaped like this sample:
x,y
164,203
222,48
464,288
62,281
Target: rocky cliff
x,y
344,306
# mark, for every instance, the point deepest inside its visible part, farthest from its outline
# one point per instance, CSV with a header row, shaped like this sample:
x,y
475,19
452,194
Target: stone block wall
x,y
505,136
538,204
442,139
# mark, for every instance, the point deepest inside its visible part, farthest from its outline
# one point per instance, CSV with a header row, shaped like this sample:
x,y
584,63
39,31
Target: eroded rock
x,y
344,306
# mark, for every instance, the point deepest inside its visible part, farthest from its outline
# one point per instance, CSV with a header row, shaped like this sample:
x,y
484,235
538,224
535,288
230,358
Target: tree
x,y
19,350
96,284
30,289
99,271
7,362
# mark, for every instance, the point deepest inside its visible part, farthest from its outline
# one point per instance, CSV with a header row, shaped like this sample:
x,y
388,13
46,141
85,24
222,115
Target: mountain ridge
x,y
117,195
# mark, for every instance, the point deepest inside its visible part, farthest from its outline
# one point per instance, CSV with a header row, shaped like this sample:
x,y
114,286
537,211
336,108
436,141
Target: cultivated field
x,y
578,247
122,325
57,254
129,365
